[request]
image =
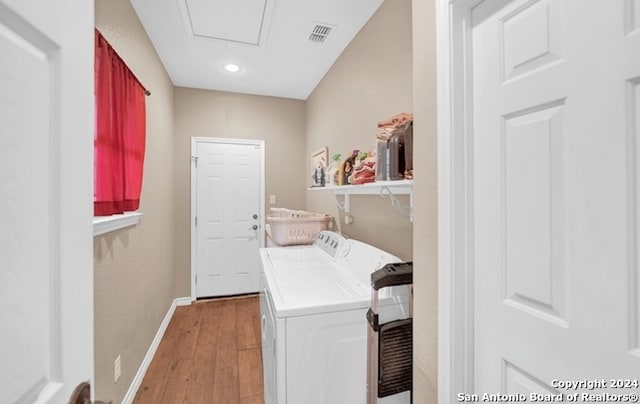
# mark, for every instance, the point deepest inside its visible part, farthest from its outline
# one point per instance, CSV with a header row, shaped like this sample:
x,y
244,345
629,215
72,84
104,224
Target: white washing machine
x,y
313,303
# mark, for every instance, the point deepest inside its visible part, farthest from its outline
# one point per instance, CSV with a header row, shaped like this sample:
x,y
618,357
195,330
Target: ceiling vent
x,y
320,32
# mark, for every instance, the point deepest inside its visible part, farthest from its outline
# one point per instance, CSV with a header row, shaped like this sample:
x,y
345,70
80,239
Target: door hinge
x,y
196,220
195,160
196,279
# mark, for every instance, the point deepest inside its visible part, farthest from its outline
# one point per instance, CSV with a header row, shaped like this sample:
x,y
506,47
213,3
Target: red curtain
x,y
120,133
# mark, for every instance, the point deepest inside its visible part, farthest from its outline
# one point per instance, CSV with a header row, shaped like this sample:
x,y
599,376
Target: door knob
x,y
254,227
82,395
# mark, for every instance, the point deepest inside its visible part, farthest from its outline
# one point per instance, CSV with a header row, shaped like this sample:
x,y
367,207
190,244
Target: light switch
x,y
272,199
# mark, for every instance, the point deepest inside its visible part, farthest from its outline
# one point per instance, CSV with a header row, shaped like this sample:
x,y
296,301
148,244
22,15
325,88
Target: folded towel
x,y
364,171
363,180
396,121
386,133
408,174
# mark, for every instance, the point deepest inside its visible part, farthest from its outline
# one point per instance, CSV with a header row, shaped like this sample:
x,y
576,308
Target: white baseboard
x,y
137,380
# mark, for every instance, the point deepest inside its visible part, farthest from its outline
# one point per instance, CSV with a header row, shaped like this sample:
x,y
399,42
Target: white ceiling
x,y
269,39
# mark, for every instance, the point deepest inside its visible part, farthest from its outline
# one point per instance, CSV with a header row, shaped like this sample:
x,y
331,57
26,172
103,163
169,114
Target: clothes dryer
x,y
313,304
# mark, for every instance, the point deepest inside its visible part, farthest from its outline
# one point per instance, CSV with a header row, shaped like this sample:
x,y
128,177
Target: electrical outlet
x,y
272,199
117,370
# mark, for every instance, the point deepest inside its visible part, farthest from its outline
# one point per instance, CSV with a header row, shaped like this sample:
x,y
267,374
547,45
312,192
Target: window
x,y
120,133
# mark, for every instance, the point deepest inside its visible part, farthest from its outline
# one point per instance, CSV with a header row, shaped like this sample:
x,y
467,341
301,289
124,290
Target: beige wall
x,y
425,235
133,267
280,122
371,81
387,69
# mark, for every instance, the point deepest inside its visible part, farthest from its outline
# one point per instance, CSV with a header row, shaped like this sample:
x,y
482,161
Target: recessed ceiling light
x,y
232,67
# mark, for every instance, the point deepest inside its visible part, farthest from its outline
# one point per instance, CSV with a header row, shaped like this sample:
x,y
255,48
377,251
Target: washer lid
x,y
308,280
294,257
314,289
304,281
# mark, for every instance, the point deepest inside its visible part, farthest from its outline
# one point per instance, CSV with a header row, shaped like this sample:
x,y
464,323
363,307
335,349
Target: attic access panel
x,y
239,21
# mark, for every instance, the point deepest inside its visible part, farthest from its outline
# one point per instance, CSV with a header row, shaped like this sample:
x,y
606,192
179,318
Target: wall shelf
x,y
382,188
106,224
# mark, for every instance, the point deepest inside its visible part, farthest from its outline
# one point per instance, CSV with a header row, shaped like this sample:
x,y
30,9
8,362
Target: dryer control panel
x,y
330,243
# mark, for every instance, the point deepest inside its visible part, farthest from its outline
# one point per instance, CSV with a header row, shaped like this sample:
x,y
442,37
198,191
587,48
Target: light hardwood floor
x,y
210,353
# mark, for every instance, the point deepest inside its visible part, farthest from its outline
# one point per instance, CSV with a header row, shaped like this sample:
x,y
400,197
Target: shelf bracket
x,y
346,204
395,202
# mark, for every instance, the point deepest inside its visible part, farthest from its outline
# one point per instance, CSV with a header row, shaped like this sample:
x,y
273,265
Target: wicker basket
x,y
296,227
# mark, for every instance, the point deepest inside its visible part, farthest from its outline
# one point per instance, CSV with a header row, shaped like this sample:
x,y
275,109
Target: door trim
x,y
261,234
455,199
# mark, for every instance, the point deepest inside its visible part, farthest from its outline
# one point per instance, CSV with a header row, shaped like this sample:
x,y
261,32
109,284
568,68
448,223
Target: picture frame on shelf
x,y
319,162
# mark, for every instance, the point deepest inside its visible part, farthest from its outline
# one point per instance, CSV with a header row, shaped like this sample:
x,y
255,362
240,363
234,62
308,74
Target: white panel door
x,y
556,119
228,217
46,260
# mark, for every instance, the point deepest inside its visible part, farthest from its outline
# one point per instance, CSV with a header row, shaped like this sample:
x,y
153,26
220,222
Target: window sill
x,y
106,224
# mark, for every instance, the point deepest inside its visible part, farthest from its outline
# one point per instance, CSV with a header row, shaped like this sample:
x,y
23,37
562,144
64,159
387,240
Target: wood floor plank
x,y
201,380
177,382
249,334
257,399
225,379
189,334
154,384
200,389
210,354
250,372
209,325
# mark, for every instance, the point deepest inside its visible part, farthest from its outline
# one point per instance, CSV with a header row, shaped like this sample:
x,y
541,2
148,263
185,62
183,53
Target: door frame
x,y
455,199
261,164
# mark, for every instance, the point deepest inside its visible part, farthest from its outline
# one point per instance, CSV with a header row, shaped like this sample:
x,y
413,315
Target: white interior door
x,y
46,260
556,117
228,216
